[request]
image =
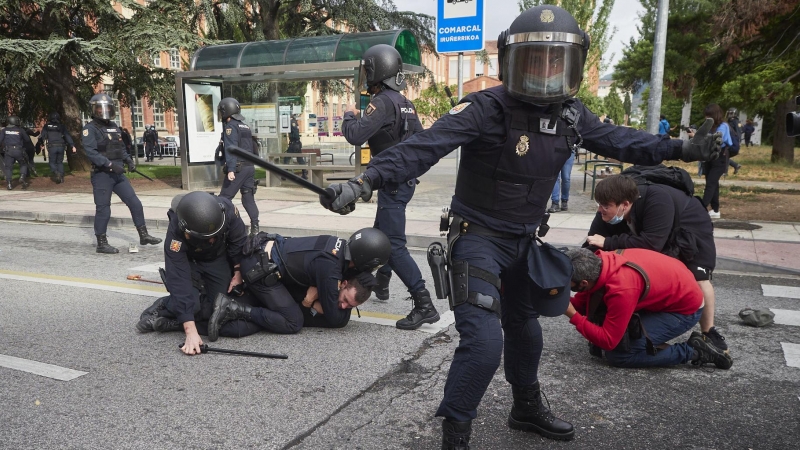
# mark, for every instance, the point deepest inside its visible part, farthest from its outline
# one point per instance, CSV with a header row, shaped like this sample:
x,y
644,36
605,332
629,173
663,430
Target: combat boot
x,y
24,181
164,324
60,178
103,246
145,324
423,312
382,289
226,309
9,186
455,435
145,238
530,414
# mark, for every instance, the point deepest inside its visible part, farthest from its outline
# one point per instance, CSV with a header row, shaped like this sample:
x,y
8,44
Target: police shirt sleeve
x,y
477,117
89,141
230,138
236,237
623,143
358,130
67,137
179,276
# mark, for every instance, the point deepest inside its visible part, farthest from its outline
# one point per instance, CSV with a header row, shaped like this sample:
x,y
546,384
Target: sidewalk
x,y
292,211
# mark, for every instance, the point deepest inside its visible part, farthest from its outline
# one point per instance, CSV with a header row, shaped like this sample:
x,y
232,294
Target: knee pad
x,y
246,191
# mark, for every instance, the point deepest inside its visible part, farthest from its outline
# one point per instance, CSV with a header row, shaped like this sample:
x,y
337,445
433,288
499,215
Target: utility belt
x,y
97,169
266,270
238,168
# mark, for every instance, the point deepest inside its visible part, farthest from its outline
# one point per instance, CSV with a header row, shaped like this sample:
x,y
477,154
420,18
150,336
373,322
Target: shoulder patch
x,y
228,131
175,245
85,132
370,109
459,107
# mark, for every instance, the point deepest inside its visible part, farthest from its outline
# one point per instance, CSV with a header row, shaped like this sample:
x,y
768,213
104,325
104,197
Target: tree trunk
x,y
269,18
62,78
783,145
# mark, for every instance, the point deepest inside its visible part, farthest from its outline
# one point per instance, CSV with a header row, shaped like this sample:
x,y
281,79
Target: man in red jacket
x,y
631,302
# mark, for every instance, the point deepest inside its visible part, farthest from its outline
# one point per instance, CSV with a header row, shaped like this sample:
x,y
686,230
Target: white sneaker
x,y
713,214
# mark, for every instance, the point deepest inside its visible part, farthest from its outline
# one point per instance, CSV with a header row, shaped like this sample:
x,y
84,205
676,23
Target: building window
x,y
467,68
158,116
324,110
452,73
493,67
175,125
174,59
156,59
138,118
335,109
344,108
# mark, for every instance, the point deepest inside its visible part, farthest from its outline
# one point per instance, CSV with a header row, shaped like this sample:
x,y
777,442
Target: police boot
x,y
103,246
455,435
382,289
24,181
423,312
530,414
32,171
164,324
226,309
60,178
149,316
9,186
145,238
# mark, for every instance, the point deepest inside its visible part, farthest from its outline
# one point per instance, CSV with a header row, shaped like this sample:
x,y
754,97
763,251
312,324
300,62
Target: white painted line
x,y
786,317
40,368
147,268
792,354
771,290
445,320
86,285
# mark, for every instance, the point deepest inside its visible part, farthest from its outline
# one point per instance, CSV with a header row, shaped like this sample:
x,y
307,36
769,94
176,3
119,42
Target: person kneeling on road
x,y
328,275
631,302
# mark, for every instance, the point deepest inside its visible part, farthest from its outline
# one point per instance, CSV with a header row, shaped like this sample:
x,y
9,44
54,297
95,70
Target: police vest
x,y
400,129
110,142
297,253
54,134
245,138
513,180
12,141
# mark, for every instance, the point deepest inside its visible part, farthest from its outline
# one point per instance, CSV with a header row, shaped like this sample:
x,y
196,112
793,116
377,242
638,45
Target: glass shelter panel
x,y
218,57
264,53
312,50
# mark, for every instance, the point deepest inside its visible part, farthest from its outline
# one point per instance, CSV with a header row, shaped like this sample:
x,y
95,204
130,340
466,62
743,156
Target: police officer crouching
x,y
514,139
239,175
102,142
391,118
55,139
13,142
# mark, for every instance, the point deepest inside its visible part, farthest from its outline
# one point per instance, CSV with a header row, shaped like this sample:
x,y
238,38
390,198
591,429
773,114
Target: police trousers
x,y
56,155
103,184
244,183
275,310
8,162
391,219
485,334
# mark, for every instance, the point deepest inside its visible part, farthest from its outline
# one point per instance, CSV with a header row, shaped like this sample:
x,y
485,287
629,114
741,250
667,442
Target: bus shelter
x,y
269,79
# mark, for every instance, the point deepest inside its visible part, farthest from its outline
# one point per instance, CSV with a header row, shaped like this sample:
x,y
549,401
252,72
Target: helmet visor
x,y
104,111
543,72
204,236
363,74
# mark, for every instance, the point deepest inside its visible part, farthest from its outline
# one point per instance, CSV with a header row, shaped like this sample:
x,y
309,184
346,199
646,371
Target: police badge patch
x,y
85,132
175,246
547,16
228,131
370,109
459,107
523,145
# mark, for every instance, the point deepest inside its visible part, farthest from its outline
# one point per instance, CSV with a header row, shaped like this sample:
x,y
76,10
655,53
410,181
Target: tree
x,y
433,103
613,106
67,49
626,106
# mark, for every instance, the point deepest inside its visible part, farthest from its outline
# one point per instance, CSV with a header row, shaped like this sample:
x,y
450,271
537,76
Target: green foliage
x,y
591,101
626,104
433,103
613,106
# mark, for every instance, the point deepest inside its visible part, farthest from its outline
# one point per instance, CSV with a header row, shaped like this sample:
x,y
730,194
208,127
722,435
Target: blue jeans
x,y
660,327
391,219
561,189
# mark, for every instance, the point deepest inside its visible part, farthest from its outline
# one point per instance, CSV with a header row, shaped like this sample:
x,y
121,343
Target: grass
x,y
756,166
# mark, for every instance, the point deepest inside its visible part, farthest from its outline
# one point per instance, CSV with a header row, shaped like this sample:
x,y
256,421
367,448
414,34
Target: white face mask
x,y
544,85
618,217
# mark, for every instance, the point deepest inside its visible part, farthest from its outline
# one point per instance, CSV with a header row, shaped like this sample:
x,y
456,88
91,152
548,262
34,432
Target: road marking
x,y
792,354
40,368
110,286
786,317
771,290
378,318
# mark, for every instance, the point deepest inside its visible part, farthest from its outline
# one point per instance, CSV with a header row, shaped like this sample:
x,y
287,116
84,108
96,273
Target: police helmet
x,y
369,249
54,117
228,106
541,55
102,107
13,121
382,64
200,215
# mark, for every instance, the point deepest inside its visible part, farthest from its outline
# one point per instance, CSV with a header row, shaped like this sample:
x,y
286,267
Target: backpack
x,y
661,174
733,149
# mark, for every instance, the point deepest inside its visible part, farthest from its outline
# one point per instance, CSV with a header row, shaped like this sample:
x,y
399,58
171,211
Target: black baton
x,y
204,348
140,173
248,156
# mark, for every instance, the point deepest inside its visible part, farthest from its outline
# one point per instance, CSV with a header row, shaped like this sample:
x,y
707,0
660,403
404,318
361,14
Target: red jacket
x,y
672,289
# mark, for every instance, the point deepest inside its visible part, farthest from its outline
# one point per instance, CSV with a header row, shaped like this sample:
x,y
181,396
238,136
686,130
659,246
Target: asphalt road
x,y
367,386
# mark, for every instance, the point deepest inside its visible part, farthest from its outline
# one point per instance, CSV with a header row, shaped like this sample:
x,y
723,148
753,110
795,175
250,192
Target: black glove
x,y
131,166
115,168
702,147
345,195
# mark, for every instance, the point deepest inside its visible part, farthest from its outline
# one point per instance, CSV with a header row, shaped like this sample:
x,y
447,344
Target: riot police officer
x,y
102,142
329,276
55,139
13,142
150,138
238,174
514,138
388,119
202,258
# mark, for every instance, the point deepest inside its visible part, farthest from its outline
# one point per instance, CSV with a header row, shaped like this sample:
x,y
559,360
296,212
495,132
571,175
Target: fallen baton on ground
x,y
204,348
139,278
248,156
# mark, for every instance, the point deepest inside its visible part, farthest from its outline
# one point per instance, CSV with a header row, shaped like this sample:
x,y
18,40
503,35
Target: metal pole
x,y
460,94
657,69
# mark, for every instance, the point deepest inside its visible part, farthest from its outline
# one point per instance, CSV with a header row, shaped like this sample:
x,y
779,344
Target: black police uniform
x,y
295,146
301,262
13,142
390,118
209,264
103,144
55,135
512,153
236,133
150,139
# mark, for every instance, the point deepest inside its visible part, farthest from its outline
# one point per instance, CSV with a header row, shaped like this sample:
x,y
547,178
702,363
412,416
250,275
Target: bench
x,y
321,157
317,171
605,166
